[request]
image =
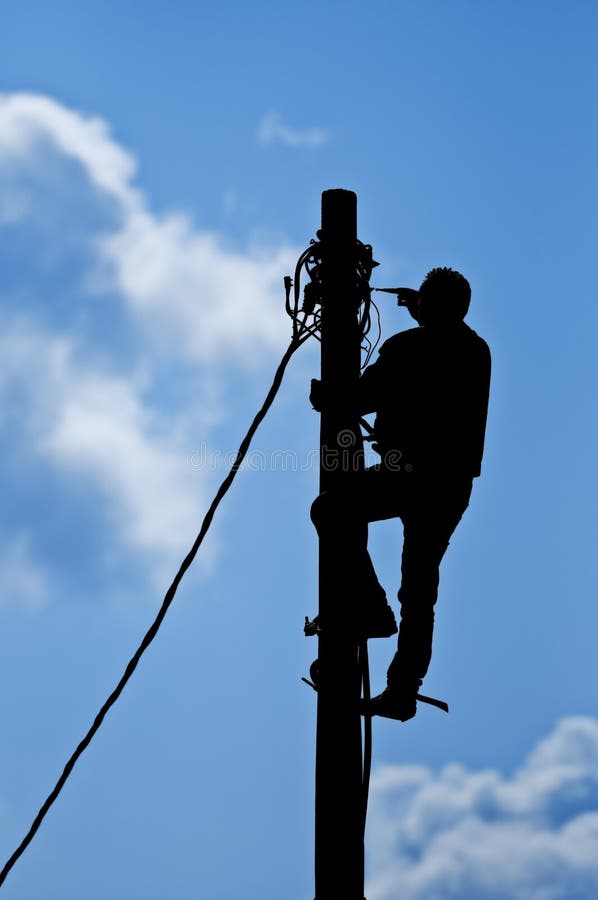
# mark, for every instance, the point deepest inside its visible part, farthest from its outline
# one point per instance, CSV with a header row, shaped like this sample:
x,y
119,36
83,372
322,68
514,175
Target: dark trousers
x,y
430,506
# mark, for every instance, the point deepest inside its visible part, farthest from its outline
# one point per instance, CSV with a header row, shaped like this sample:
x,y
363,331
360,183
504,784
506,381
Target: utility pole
x,y
339,850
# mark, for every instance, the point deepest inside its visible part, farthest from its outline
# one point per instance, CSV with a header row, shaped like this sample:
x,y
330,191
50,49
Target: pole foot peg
x,y
440,704
311,627
314,674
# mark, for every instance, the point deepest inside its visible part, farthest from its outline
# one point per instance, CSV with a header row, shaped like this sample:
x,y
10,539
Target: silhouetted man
x,y
429,390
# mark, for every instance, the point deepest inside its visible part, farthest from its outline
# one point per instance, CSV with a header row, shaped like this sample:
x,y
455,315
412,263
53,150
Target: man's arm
x,y
369,387
368,391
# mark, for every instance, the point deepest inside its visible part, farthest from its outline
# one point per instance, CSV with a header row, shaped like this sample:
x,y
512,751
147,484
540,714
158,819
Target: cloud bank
x,y
93,424
213,303
186,298
463,835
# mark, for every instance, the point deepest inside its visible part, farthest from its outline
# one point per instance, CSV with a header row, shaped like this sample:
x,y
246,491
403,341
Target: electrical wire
x,y
372,344
151,633
306,324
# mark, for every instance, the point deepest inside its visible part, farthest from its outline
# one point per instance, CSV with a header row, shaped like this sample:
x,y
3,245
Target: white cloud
x,y
217,306
23,581
463,835
210,307
272,129
95,424
213,303
25,119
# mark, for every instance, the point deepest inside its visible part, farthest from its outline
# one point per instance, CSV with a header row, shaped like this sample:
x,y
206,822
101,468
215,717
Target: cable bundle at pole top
x,y
306,314
305,318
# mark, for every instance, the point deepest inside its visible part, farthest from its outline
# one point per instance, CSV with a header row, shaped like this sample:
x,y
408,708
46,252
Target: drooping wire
x,y
300,335
364,268
371,345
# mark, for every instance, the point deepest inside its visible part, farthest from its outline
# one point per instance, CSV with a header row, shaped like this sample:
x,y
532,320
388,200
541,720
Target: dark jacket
x,y
429,389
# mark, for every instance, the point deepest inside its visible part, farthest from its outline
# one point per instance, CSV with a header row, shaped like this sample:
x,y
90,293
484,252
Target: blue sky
x,y
160,171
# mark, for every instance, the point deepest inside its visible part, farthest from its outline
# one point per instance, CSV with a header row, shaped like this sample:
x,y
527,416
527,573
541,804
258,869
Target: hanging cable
x,y
301,333
305,324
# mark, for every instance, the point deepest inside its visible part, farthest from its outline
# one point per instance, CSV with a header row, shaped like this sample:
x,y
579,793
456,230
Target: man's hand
x,y
315,395
409,298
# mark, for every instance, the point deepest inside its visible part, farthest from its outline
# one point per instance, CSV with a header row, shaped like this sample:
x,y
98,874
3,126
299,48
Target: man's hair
x,y
449,289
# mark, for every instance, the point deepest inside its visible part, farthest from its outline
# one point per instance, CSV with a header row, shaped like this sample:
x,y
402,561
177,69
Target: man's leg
x,y
421,559
366,497
428,524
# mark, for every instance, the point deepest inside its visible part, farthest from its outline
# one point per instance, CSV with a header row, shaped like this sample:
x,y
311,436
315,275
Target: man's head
x,y
444,297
